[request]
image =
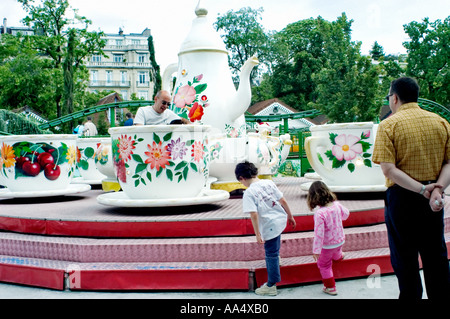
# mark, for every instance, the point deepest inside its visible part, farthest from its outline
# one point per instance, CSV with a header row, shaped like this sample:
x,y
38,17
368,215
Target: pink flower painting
x,y
158,156
347,147
197,151
126,146
185,96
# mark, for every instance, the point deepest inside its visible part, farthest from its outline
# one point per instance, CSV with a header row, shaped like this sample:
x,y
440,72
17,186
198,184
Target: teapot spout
x,y
242,99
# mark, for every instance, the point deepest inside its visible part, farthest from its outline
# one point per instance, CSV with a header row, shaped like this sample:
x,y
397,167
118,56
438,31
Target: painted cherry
x,y
21,160
45,158
52,171
31,169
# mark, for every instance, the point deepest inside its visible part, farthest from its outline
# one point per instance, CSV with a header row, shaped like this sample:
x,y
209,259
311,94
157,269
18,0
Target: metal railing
x,y
95,109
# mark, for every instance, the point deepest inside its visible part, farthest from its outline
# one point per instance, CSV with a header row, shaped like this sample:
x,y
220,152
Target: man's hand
x,y
430,188
436,199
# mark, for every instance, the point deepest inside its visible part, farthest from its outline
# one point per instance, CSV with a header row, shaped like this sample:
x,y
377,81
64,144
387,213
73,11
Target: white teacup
x,y
161,161
266,152
37,162
342,154
226,153
87,148
104,161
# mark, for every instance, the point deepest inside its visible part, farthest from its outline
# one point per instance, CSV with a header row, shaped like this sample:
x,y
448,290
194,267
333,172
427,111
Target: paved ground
x,y
384,287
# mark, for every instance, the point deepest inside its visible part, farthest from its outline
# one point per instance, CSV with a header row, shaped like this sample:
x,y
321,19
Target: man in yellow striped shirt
x,y
413,148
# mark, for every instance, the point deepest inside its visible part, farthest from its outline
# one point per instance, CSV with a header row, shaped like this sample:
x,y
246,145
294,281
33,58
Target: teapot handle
x,y
167,76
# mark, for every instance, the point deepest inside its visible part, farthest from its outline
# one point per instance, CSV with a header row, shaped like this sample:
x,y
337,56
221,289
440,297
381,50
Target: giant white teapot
x,y
204,91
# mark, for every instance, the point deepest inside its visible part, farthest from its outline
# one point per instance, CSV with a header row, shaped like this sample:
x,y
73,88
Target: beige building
x,y
127,69
4,29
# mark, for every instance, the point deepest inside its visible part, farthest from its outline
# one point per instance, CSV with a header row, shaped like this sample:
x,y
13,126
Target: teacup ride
x,y
171,249
161,165
205,93
341,155
87,157
38,166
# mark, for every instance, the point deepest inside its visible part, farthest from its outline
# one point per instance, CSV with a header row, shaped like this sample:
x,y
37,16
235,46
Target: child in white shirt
x,y
269,213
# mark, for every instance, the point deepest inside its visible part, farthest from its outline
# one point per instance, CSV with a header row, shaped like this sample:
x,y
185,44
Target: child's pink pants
x,y
325,261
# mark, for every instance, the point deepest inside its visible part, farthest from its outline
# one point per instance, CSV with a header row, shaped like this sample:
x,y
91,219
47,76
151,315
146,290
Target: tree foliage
x,y
314,63
25,78
155,73
429,56
318,66
244,37
299,54
64,46
377,51
347,84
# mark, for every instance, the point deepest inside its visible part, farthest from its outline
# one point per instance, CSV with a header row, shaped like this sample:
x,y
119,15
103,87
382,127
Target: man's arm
x,y
404,180
185,121
436,198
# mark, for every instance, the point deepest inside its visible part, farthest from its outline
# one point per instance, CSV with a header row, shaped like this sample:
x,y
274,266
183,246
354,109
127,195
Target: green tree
x,y
25,78
244,37
52,32
377,52
429,56
317,65
347,85
298,53
389,71
68,72
156,72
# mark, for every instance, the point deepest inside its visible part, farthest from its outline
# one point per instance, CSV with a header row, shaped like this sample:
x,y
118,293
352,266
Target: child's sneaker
x,y
265,290
330,291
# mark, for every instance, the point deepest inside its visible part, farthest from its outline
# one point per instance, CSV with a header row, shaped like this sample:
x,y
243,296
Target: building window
x,y
96,58
119,42
124,94
94,76
123,77
142,77
136,42
118,58
141,58
108,76
143,95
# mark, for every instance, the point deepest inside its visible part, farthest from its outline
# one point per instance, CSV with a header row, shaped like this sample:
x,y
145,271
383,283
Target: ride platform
x,y
73,242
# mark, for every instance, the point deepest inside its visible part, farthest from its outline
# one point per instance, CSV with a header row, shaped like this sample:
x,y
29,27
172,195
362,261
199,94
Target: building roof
x,y
110,98
29,113
276,106
260,106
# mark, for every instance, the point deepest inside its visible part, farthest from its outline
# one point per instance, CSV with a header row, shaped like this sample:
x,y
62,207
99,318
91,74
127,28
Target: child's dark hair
x,y
246,170
319,195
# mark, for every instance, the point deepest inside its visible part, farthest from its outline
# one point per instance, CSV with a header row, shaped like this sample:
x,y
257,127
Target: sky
x,y
170,20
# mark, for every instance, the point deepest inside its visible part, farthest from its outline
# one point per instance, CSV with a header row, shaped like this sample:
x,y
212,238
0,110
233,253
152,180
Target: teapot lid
x,y
202,36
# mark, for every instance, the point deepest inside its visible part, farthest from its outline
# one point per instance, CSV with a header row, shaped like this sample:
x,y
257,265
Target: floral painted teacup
x,y
342,154
104,162
161,161
86,157
37,162
103,159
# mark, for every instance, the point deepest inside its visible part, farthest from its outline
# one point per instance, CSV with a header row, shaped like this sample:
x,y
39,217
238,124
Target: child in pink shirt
x,y
328,231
